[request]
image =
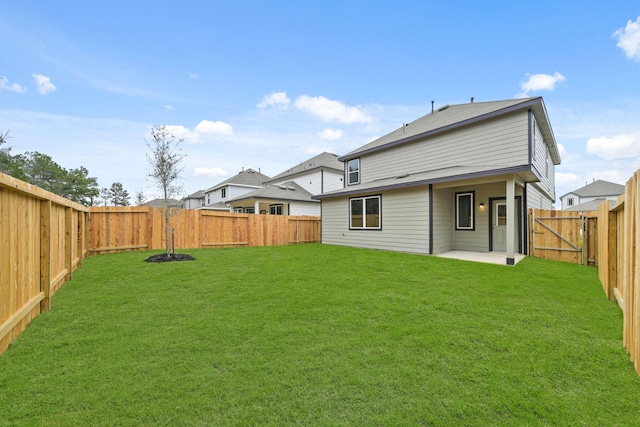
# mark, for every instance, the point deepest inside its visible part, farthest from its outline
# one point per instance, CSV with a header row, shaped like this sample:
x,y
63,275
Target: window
x,y
364,213
353,171
570,201
249,210
275,209
223,192
464,211
547,164
237,210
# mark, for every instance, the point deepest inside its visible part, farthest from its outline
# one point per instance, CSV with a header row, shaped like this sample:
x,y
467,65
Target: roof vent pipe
x,y
432,106
472,99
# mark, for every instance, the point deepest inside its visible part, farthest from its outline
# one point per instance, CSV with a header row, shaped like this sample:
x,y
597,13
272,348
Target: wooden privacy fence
x,y
619,261
563,236
117,229
43,240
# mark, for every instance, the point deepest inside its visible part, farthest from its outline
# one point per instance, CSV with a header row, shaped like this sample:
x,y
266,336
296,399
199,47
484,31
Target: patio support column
x,y
511,220
256,207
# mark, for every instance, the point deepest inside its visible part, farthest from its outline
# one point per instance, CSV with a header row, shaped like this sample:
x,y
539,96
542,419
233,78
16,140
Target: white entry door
x,y
499,226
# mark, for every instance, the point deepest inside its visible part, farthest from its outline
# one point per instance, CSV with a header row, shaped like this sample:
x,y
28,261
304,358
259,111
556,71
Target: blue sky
x,y
268,84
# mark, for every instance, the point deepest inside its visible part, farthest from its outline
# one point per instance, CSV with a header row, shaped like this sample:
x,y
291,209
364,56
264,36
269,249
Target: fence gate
x,y
563,236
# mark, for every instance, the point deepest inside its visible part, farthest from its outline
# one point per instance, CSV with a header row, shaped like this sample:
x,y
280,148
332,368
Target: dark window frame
x,y
364,199
472,225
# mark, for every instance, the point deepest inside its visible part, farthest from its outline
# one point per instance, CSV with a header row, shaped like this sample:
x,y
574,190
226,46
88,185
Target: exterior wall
x,y
500,142
536,198
233,191
316,182
404,218
192,203
542,163
304,208
443,220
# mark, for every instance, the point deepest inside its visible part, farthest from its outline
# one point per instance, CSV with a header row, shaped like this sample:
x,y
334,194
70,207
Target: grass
x,y
322,335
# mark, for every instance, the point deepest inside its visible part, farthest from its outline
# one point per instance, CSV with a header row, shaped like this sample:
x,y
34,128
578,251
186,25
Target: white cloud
x,y
624,145
329,110
278,100
330,134
180,131
629,39
44,84
569,180
168,107
215,172
214,128
13,87
193,75
537,82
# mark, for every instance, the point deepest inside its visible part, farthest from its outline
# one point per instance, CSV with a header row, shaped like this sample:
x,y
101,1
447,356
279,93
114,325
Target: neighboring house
x,y
290,192
218,196
194,201
163,203
287,198
459,178
589,197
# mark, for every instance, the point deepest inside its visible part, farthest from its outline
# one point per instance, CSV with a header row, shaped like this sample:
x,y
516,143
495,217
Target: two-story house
x,y
290,192
459,178
589,197
218,196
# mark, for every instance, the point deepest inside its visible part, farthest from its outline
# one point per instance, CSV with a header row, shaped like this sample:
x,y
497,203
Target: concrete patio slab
x,y
486,257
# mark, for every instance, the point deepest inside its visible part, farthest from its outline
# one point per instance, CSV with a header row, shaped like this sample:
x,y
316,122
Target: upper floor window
x,y
223,192
353,171
570,201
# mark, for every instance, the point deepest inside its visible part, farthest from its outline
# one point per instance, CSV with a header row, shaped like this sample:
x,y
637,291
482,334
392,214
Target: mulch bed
x,y
173,257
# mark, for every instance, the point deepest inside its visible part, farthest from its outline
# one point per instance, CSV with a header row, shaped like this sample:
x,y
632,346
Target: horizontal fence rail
x,y
120,229
43,240
618,261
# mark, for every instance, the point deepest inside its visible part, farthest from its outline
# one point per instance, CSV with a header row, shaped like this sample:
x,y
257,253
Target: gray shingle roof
x,y
451,116
246,177
163,203
599,188
289,191
219,206
323,160
590,205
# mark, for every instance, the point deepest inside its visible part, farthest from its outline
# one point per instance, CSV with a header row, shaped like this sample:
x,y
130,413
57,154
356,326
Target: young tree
x,y
140,198
118,195
164,160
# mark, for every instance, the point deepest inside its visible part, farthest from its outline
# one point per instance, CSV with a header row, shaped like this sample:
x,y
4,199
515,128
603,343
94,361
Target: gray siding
x,y
443,220
404,216
537,198
542,163
303,208
496,143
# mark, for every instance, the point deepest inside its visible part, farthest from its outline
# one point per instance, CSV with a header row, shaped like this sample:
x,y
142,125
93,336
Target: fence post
x,y
45,254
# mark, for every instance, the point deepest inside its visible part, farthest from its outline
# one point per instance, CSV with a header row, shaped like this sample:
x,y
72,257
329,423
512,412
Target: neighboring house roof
x,y
591,205
288,191
163,203
321,161
220,206
247,177
598,188
197,195
450,117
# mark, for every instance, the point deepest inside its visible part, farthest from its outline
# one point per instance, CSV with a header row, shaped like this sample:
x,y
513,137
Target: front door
x,y
499,226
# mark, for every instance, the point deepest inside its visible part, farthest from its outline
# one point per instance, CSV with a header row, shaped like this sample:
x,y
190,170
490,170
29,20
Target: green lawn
x,y
322,335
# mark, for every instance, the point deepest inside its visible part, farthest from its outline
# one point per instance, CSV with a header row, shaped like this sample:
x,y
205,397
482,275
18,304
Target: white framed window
x,y
547,163
364,213
275,209
249,210
223,192
464,211
237,210
570,201
353,171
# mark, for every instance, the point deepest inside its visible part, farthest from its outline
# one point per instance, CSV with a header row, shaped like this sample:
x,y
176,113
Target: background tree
x,y
118,195
140,198
80,187
164,159
9,164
